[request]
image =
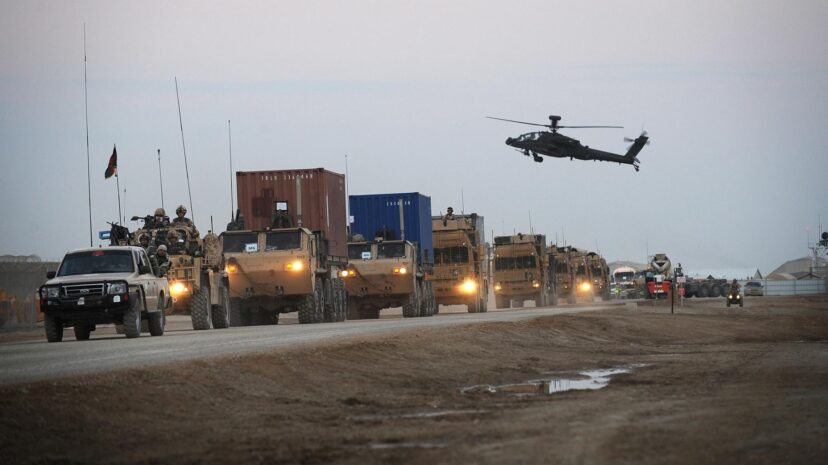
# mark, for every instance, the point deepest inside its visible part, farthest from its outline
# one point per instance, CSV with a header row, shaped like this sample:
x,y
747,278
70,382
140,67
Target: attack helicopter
x,y
554,144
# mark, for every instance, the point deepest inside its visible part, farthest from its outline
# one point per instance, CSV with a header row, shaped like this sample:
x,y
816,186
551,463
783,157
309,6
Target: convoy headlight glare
x,y
738,296
351,272
178,288
232,268
118,288
536,284
498,286
295,266
400,270
52,292
343,274
585,286
729,296
469,286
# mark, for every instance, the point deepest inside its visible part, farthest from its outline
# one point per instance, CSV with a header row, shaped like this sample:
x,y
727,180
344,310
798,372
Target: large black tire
x,y
235,315
311,310
427,299
353,309
473,305
728,303
263,317
329,312
157,322
741,302
411,309
704,291
716,291
341,300
82,332
200,309
53,327
132,317
570,299
221,312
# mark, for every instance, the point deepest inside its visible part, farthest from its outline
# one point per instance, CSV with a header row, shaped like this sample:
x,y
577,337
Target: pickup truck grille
x,y
83,290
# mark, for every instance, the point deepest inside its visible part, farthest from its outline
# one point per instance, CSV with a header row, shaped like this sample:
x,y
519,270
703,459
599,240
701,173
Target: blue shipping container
x,y
372,213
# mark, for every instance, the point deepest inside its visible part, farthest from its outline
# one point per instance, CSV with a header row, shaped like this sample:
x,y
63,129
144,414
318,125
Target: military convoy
x,y
459,261
579,275
521,271
291,250
389,255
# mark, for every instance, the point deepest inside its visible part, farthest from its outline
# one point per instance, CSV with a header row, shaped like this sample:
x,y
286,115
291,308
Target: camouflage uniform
x,y
161,258
182,221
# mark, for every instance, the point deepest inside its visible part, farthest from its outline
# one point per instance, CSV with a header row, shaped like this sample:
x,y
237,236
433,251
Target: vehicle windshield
x,y
235,243
356,251
391,250
289,240
561,267
96,261
511,263
753,284
445,255
625,276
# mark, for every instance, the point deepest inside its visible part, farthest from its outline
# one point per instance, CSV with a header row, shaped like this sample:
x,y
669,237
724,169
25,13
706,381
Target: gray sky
x,y
733,94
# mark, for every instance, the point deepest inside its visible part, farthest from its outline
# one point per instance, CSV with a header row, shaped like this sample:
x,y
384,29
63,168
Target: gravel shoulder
x,y
708,385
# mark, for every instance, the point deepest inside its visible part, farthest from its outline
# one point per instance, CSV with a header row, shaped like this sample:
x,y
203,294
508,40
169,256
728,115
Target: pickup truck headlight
x,y
52,292
118,288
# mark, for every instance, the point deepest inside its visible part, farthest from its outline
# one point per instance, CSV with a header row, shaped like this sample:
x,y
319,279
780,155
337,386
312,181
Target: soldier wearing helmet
x,y
161,258
158,220
144,241
182,220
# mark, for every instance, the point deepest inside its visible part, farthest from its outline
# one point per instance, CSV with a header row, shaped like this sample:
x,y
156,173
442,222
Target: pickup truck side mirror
x,y
50,274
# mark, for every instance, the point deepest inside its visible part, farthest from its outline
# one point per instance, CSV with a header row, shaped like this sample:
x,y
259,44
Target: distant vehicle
x,y
735,298
754,288
553,144
97,286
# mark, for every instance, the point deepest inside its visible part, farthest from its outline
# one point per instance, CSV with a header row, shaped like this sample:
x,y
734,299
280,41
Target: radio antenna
x,y
86,115
160,180
230,144
184,148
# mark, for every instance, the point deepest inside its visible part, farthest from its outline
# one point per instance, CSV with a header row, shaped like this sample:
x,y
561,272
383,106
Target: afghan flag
x,y
112,169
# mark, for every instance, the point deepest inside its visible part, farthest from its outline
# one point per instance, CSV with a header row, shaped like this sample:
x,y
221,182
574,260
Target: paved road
x,y
22,362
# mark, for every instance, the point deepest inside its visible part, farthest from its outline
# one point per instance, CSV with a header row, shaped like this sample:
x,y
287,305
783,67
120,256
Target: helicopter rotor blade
x,y
591,127
521,122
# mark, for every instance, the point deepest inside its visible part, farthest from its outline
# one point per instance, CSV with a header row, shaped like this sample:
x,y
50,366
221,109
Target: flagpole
x,y
118,184
160,180
86,116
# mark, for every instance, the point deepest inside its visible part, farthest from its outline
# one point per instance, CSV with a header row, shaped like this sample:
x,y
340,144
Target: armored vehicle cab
x,y
459,257
520,270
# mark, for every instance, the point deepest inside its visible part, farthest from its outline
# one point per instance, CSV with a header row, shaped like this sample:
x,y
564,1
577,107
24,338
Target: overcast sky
x,y
734,96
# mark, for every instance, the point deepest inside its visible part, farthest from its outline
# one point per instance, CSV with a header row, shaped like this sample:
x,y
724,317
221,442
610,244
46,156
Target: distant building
x,y
800,268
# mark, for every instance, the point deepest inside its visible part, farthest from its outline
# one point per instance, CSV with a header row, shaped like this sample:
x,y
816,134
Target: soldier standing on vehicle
x,y
449,214
144,241
182,220
159,219
173,244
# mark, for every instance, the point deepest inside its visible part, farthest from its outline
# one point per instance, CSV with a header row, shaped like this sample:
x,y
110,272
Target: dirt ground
x,y
708,385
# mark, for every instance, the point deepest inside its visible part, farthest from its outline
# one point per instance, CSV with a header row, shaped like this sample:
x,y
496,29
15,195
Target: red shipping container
x,y
322,201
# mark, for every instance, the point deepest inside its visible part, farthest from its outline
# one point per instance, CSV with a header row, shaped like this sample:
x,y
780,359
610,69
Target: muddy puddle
x,y
555,383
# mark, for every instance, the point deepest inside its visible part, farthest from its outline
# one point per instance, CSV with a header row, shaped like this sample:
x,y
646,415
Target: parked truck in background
x,y
390,254
459,261
521,270
578,273
289,252
599,274
624,278
658,277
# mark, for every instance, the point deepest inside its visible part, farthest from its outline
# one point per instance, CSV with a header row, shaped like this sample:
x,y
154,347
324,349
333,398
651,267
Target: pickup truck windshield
x,y
96,261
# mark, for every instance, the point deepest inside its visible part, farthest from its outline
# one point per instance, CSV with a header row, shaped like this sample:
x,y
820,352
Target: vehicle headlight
x,y
343,274
52,292
738,296
498,286
585,286
295,266
232,268
177,288
729,296
535,284
469,286
400,270
118,288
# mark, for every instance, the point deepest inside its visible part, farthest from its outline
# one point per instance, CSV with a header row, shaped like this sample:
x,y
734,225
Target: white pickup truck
x,y
104,285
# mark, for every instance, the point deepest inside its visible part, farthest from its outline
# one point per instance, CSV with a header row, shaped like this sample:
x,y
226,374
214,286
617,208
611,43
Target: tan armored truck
x,y
384,274
459,258
599,274
520,270
198,284
389,255
287,256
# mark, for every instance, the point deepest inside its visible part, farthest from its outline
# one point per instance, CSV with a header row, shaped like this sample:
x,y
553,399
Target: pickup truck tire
x,y
311,309
132,317
221,316
157,320
411,309
53,327
200,310
82,332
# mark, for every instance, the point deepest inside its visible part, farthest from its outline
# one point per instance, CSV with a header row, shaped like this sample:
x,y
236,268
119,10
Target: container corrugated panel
x,y
373,212
323,201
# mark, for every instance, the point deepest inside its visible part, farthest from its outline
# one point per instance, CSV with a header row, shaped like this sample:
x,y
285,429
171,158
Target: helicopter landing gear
x,y
635,165
537,158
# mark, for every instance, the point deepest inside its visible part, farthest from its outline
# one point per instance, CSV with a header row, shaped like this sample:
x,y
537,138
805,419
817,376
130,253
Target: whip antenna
x,y
86,115
184,148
